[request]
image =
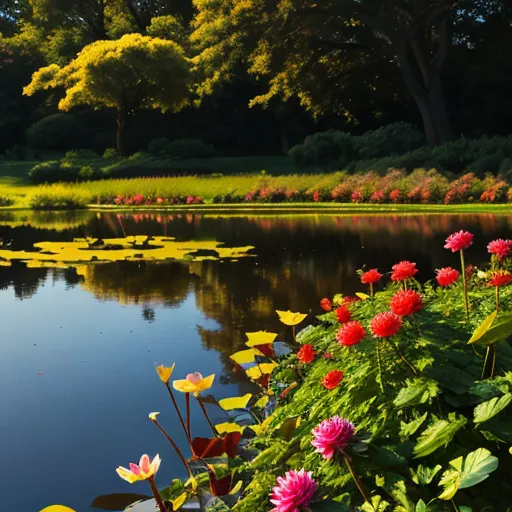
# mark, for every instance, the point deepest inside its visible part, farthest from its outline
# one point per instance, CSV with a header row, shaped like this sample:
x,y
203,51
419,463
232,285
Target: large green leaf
x,y
467,472
437,435
487,410
501,330
417,391
377,505
483,327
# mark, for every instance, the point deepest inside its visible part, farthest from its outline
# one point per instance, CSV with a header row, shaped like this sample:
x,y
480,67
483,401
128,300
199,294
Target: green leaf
x,y
377,505
487,410
501,330
408,429
425,475
421,506
483,327
417,391
437,435
467,472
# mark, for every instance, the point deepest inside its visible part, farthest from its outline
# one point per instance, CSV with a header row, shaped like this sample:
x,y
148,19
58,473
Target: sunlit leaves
x,y
483,327
245,356
261,402
260,370
238,402
467,472
260,338
438,435
491,408
291,318
227,427
417,391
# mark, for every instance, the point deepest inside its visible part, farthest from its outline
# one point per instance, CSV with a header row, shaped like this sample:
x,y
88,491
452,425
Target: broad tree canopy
x,y
134,72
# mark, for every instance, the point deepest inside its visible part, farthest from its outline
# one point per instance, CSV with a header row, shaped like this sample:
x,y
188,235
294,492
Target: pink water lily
x,y
142,471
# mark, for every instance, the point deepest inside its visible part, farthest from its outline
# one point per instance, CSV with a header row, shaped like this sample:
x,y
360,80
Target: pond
x,y
79,345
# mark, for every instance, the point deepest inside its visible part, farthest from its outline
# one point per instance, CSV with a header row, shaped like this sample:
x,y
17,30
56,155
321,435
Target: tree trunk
x,y
122,123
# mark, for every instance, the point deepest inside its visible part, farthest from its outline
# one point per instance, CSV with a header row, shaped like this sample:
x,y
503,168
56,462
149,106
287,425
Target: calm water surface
x,y
77,355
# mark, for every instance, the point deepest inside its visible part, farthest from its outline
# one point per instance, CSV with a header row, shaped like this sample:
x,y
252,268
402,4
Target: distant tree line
x,y
250,76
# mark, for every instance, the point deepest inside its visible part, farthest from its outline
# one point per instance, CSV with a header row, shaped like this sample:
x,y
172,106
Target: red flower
x,y
350,300
500,247
385,324
350,334
327,355
459,241
447,276
326,304
403,270
372,276
501,279
406,302
306,354
343,314
332,379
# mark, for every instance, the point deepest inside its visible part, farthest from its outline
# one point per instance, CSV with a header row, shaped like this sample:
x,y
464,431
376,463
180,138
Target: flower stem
x,y
371,289
180,417
379,365
357,480
488,351
493,359
175,446
402,357
203,408
187,403
293,334
465,282
156,494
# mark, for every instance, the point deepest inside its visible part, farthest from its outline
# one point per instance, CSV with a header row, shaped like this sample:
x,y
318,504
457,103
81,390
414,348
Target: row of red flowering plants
x,y
396,187
395,399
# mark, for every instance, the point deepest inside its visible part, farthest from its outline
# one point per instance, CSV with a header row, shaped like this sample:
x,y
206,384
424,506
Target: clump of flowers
x,y
293,492
403,270
332,380
406,302
385,325
326,304
332,435
306,354
447,276
343,314
350,334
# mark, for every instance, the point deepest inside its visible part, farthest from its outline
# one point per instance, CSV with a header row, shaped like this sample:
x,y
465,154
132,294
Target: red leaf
x,y
220,487
267,349
231,441
205,447
264,381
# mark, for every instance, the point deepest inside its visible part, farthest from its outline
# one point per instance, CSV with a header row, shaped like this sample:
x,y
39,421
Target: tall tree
x,y
134,72
300,44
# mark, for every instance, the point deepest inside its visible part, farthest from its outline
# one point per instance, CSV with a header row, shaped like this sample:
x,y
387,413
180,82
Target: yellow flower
x,y
290,318
165,372
144,470
194,383
153,415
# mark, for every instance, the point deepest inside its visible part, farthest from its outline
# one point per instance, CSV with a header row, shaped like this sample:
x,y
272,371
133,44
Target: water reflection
x,y
95,331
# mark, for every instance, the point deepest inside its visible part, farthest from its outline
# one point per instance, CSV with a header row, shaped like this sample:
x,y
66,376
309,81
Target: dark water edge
x,y
78,349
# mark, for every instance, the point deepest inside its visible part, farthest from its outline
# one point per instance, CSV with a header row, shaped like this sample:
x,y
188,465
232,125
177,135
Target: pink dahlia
x,y
447,276
370,277
403,270
350,334
385,324
459,241
332,435
500,247
406,302
293,492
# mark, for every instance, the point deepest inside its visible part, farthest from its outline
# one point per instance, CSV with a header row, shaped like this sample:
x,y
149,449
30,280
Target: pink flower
x,y
403,270
384,325
370,277
447,276
143,471
500,247
331,435
316,196
459,241
190,199
406,302
293,492
350,334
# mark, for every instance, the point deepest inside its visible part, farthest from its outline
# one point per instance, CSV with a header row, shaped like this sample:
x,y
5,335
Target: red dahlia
x,y
385,324
447,276
459,241
343,314
306,354
501,279
406,302
332,379
326,304
350,334
403,270
370,277
500,247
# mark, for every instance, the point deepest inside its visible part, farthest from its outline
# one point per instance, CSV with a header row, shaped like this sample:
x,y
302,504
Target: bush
x,y
6,201
58,131
58,197
160,146
54,171
17,152
190,148
81,154
110,154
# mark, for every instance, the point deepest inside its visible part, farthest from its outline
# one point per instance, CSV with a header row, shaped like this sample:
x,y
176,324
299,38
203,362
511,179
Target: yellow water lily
x,y
165,372
144,470
194,383
260,338
291,318
153,415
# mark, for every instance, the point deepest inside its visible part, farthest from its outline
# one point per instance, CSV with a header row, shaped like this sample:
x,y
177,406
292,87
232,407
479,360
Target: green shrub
x,y
54,171
6,201
58,197
190,148
80,154
58,131
110,154
160,146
